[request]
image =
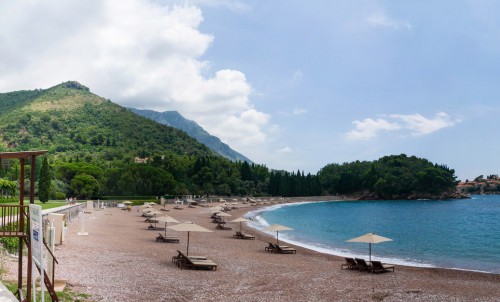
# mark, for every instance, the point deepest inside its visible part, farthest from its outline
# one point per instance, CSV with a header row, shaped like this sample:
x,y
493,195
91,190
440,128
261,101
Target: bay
x,y
459,234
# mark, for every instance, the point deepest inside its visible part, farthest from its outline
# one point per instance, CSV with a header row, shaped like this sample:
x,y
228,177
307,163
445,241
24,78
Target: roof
x,y
21,154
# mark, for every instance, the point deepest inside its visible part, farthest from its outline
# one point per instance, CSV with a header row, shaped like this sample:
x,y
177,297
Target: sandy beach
x,y
120,260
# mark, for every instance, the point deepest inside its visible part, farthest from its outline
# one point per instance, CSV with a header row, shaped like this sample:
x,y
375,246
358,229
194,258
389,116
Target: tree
x,y
44,181
84,185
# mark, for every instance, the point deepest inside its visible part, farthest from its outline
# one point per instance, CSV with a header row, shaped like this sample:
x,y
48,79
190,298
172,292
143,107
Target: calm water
x,y
460,234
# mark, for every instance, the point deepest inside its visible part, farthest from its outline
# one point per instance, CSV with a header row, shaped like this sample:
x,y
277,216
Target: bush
x,y
9,200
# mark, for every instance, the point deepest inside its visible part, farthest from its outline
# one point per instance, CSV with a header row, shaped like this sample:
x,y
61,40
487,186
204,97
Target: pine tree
x,y
44,182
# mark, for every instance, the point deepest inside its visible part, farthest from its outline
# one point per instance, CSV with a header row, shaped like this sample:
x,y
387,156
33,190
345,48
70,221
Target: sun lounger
x,y
285,249
170,239
379,267
282,249
350,263
222,227
364,265
270,248
194,262
240,235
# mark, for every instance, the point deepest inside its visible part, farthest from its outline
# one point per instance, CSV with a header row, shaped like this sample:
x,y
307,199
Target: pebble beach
x,y
120,260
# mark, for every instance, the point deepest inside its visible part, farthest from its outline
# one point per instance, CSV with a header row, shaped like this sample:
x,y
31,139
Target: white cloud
x,y
412,124
296,77
285,150
234,5
369,128
380,19
420,125
296,111
139,53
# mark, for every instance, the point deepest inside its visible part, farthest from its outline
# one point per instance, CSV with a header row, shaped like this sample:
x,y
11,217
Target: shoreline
x,y
120,260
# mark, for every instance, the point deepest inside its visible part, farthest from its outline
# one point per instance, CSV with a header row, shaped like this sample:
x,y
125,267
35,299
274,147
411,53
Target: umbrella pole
x,y
165,229
277,241
370,251
187,250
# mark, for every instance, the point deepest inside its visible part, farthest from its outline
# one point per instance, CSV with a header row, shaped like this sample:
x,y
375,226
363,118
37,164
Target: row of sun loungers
x,y
282,249
194,262
368,266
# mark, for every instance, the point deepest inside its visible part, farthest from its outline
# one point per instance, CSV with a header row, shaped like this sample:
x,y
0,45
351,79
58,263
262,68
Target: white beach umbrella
x,y
165,219
152,213
216,209
370,238
188,227
277,228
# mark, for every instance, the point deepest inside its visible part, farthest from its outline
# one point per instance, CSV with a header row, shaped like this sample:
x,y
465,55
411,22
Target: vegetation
x,y
390,177
44,182
67,295
93,146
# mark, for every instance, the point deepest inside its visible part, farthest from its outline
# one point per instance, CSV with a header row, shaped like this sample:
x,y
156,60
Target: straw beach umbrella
x,y
188,227
277,228
240,220
223,214
165,219
370,238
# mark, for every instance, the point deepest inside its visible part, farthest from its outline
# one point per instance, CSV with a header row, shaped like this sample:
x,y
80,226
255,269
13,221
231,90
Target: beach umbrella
x,y
370,238
277,228
188,227
240,220
127,202
223,214
165,219
216,209
152,213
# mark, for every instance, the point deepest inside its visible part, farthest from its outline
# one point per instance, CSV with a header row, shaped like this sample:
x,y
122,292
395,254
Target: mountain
x,y
69,119
176,120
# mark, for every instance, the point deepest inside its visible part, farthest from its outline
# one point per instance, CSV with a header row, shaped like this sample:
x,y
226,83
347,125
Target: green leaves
x,y
390,177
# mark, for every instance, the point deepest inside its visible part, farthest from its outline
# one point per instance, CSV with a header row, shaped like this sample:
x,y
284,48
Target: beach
x,y
120,260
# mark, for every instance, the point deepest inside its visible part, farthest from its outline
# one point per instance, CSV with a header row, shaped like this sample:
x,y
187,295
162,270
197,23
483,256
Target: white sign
x,y
36,235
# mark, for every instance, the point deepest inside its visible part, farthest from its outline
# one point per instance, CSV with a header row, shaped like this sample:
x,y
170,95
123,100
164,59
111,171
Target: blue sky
x,y
291,84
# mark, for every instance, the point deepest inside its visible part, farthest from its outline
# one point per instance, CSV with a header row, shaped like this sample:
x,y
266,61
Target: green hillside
x,y
69,118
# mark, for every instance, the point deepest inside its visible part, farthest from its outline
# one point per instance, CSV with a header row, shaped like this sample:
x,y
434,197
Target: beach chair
x,y
350,263
180,255
195,262
363,265
223,227
271,248
246,236
379,267
283,249
170,239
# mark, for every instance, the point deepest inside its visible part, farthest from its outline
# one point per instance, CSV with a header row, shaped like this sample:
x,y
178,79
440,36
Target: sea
x,y
462,234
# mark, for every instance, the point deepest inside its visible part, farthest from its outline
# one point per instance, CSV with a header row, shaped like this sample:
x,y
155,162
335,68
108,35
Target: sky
x,y
291,84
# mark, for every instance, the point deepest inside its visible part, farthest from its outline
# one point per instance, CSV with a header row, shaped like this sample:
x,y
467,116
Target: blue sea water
x,y
459,234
